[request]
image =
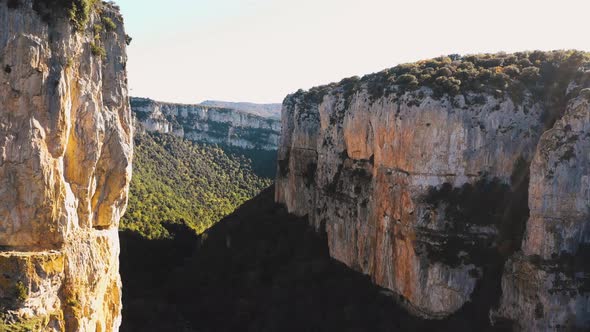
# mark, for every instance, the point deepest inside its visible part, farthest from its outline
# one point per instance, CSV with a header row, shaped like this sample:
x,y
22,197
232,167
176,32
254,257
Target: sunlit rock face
x,y
65,166
430,195
206,124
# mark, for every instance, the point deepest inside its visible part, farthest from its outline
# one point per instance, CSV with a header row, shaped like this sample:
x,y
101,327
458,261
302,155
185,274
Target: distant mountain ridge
x,y
207,124
265,110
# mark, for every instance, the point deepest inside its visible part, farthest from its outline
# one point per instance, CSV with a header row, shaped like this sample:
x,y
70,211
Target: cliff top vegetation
x,y
543,74
78,11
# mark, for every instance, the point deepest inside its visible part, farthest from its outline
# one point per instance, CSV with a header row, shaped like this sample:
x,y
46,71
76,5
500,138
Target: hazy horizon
x,y
261,50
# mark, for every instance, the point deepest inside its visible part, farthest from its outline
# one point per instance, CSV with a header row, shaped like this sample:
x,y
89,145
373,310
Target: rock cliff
x,y
451,181
547,285
65,164
208,124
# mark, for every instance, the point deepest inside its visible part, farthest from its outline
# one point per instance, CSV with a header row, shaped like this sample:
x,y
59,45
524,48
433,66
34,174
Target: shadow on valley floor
x,y
259,269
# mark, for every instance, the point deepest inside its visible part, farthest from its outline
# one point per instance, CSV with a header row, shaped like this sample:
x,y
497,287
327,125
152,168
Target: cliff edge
x,y
65,164
453,181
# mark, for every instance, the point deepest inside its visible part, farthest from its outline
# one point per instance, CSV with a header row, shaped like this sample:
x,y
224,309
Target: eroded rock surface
x,y
429,193
65,166
548,284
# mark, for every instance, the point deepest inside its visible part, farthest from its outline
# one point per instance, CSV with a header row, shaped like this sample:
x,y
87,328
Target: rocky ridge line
x,y
207,124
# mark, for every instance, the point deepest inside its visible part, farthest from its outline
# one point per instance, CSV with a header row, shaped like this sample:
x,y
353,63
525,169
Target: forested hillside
x,y
178,181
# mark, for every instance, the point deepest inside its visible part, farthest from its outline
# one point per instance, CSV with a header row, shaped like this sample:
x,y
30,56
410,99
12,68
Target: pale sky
x,y
261,50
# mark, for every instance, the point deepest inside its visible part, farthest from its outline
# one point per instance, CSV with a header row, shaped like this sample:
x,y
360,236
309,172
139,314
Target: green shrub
x,y
78,11
98,50
467,74
97,29
109,24
408,80
21,291
489,62
499,80
444,71
524,62
449,85
425,78
512,71
530,74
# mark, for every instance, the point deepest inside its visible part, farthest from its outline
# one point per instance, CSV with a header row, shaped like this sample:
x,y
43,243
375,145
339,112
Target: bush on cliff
x,y
97,50
78,11
109,24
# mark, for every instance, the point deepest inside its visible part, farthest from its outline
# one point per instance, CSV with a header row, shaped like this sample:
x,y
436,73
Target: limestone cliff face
x,y
427,192
65,167
547,285
207,124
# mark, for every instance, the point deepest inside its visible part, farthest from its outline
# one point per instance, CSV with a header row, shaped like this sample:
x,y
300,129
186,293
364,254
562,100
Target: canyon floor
x,y
260,269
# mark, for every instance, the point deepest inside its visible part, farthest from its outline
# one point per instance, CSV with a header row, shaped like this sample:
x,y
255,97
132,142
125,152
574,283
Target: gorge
x,y
455,186
449,194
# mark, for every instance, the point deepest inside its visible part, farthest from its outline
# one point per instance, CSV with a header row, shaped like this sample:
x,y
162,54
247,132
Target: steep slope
x,y
259,269
420,176
175,180
205,124
265,110
65,164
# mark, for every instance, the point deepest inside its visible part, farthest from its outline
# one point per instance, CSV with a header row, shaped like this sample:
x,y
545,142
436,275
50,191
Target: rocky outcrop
x,y
206,124
65,165
548,284
419,175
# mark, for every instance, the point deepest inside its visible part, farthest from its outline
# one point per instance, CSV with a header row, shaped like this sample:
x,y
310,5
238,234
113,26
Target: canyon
x,y
65,164
448,194
453,179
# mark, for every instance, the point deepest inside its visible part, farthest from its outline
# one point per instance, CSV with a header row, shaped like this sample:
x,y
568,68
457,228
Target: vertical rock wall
x,y
369,174
434,196
65,166
547,285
